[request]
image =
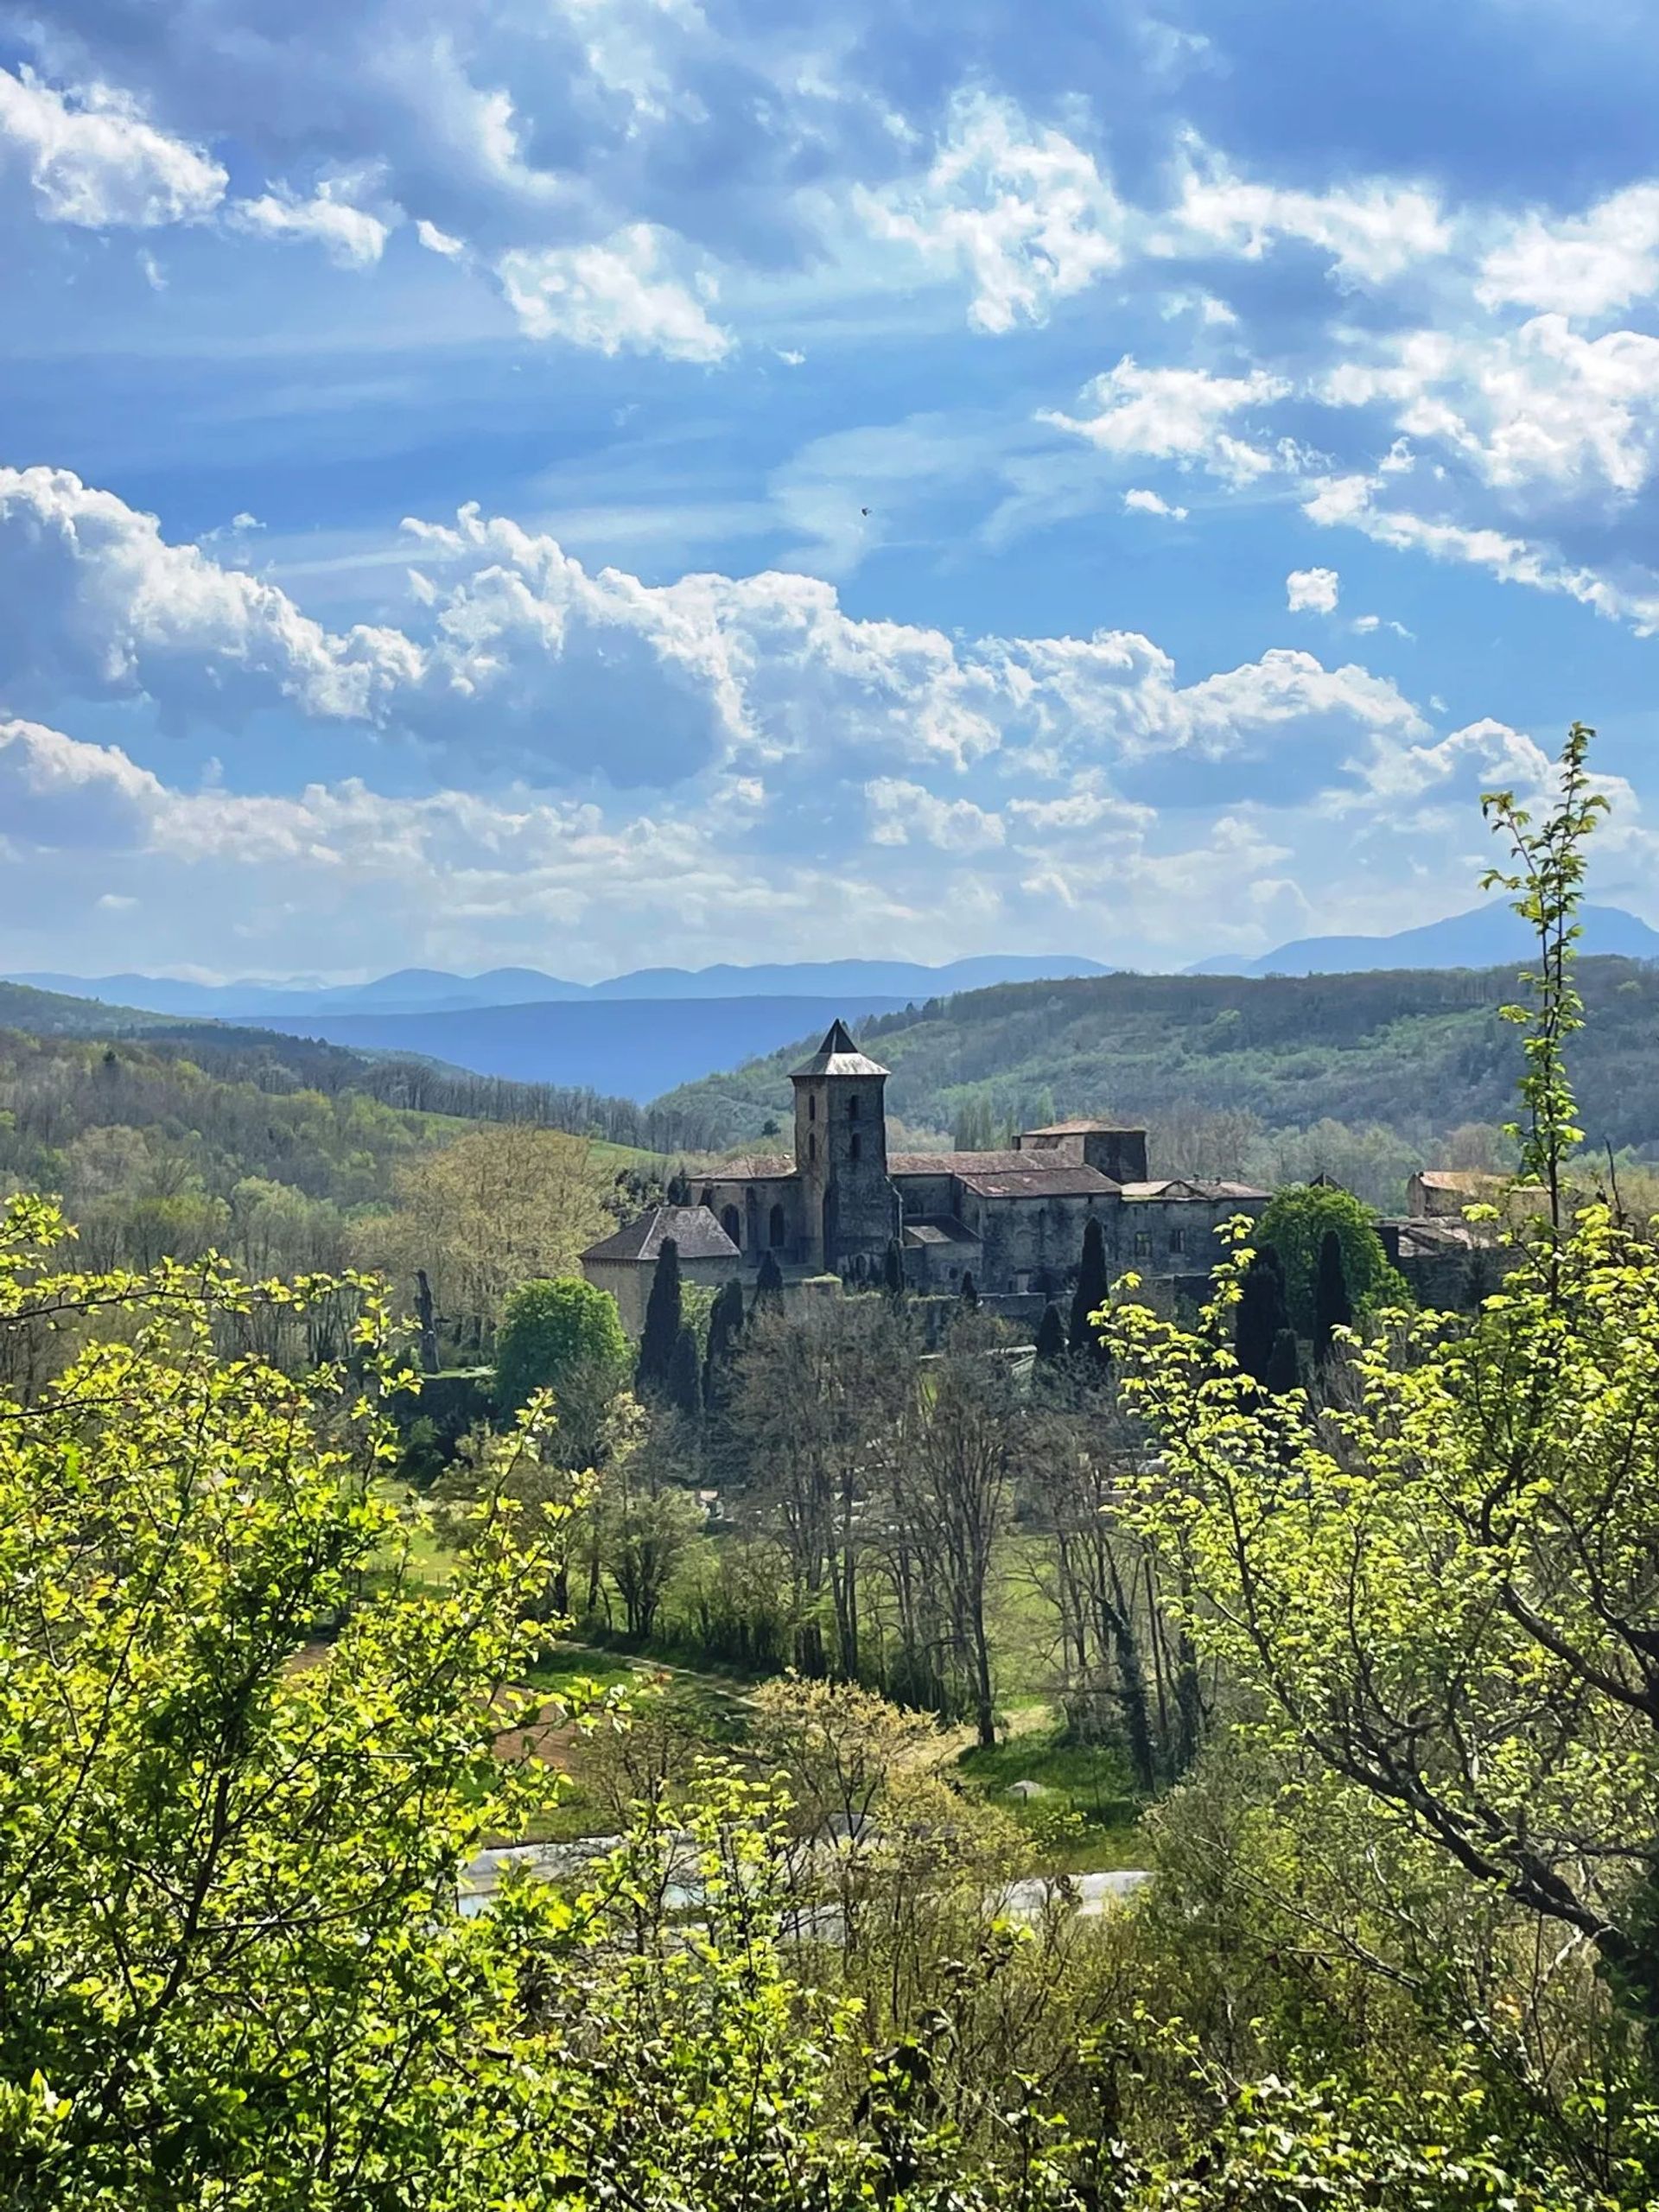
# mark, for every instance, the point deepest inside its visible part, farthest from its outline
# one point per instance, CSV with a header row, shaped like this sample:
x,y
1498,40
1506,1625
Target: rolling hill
x,y
1418,1053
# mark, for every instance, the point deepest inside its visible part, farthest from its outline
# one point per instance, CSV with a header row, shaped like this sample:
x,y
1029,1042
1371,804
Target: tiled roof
x,y
838,1055
1039,1183
1457,1179
758,1167
937,1229
963,1163
694,1229
1088,1129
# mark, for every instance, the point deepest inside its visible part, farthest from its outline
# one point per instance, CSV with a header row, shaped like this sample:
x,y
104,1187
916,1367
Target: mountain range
x,y
1486,936
859,985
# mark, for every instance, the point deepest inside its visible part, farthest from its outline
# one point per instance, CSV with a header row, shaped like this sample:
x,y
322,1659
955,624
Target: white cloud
x,y
1175,414
437,241
1366,625
350,237
516,654
618,296
1350,502
1374,231
1023,210
1311,591
1581,265
1140,502
904,813
95,161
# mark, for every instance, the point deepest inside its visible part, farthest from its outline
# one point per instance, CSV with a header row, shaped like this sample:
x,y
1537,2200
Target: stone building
x,y
625,1263
1013,1219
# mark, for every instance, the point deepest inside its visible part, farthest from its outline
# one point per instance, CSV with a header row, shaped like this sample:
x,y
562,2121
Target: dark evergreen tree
x,y
1051,1336
679,1189
1332,1308
661,1334
1284,1364
684,1391
970,1293
1090,1295
1259,1314
892,1270
768,1286
724,1328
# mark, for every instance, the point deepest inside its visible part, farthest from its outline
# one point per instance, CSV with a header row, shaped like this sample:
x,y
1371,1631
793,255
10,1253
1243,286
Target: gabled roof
x,y
757,1168
1027,1182
838,1055
694,1229
1087,1129
965,1163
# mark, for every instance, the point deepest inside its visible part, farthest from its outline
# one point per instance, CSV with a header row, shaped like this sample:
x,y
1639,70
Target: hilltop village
x,y
1013,1220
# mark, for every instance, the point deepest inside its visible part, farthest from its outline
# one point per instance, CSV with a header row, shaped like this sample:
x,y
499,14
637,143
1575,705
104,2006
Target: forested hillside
x,y
1415,1054
291,1156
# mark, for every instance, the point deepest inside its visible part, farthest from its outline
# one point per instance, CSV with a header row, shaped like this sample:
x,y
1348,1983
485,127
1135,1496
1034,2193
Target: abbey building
x,y
1014,1220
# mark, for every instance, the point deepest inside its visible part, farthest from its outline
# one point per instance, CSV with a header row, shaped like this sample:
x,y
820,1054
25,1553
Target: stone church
x,y
1014,1220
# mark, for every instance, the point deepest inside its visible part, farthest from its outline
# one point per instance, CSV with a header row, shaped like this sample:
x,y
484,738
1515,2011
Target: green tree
x,y
1332,1308
969,1293
684,1389
726,1319
892,1270
1051,1336
1259,1318
1294,1224
768,1286
1091,1295
1459,1620
566,1337
661,1335
1284,1364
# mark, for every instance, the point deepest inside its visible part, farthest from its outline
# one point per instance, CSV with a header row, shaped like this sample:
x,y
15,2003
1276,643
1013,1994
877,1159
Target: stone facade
x,y
1014,1219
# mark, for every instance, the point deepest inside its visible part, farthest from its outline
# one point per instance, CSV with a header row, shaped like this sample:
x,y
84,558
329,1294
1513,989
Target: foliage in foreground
x,y
242,1781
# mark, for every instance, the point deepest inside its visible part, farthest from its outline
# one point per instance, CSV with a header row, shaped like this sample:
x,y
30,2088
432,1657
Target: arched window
x,y
777,1228
732,1222
852,1107
812,1108
812,1151
854,1147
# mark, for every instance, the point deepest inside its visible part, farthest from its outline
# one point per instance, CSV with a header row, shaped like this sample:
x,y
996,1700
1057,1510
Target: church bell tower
x,y
849,1206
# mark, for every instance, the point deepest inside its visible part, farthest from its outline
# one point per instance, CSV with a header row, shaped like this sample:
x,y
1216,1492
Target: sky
x,y
599,483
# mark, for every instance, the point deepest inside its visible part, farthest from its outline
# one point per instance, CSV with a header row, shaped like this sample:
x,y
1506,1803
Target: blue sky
x,y
594,483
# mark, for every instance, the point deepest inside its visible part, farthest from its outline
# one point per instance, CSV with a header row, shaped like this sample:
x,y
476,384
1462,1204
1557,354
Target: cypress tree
x,y
1284,1364
1051,1336
970,1293
1332,1308
1089,1294
684,1391
892,1270
768,1286
724,1328
679,1189
661,1334
1259,1314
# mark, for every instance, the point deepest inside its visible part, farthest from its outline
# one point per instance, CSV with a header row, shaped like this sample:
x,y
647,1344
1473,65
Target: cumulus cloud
x,y
94,160
1175,414
1138,502
1579,264
1023,210
1351,502
515,653
1311,591
349,235
1373,230
620,296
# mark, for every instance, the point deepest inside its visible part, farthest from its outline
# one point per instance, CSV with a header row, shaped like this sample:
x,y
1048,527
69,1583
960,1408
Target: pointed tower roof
x,y
837,1055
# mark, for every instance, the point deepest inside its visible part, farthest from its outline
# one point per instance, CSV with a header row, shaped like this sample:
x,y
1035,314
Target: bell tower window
x,y
854,1147
811,1110
852,1107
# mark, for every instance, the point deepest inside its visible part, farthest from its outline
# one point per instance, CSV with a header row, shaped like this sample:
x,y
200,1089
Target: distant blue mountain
x,y
857,983
630,1048
1486,936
